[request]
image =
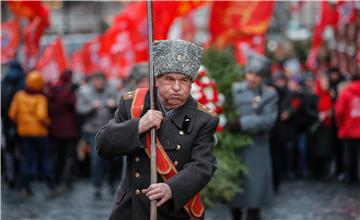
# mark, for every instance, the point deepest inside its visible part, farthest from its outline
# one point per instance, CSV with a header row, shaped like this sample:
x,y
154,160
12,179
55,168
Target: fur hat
x,y
177,56
258,64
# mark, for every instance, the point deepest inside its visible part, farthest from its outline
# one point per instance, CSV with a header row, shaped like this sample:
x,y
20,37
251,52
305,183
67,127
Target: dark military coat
x,y
258,110
189,145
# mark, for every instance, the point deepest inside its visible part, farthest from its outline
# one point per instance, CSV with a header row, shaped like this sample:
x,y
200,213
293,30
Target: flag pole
x,y
153,171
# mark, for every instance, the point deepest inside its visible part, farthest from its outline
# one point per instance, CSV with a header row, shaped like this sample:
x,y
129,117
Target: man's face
x,y
253,80
99,83
310,84
280,82
174,89
334,76
324,83
293,86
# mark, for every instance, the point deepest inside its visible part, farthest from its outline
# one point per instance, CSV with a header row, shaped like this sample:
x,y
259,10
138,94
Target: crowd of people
x,y
49,130
317,116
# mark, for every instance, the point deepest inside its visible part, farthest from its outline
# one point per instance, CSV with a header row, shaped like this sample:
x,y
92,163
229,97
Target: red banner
x,y
91,57
331,14
30,10
231,19
247,44
77,63
165,12
38,16
126,42
10,36
53,62
32,35
346,12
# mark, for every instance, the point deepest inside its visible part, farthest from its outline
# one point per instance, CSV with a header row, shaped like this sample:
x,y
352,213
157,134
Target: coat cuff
x,y
177,196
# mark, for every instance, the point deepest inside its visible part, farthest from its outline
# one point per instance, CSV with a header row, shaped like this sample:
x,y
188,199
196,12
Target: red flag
x,y
125,43
53,61
231,19
188,28
32,35
311,59
136,27
328,16
10,34
346,12
77,64
30,10
91,56
38,16
247,44
165,12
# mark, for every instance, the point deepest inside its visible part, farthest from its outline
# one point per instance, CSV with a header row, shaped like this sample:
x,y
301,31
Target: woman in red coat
x,y
347,111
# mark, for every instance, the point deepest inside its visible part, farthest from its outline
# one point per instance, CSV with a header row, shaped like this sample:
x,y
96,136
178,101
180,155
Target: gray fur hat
x,y
177,56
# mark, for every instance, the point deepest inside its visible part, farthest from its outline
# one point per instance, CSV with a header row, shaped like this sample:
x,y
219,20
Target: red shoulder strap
x,y
138,102
165,166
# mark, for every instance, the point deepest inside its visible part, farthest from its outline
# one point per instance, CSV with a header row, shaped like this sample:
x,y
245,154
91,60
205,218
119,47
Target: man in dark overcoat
x,y
257,107
185,129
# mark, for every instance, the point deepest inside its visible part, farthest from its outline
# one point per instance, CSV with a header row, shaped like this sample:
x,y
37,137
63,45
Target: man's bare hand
x,y
152,118
111,103
284,116
158,191
96,104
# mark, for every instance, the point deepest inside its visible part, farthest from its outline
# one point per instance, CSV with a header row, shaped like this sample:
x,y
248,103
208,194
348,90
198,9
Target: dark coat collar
x,y
188,110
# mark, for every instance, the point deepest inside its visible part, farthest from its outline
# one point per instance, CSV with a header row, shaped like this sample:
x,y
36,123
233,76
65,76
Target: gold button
x,y
176,162
178,147
181,132
137,159
137,192
137,175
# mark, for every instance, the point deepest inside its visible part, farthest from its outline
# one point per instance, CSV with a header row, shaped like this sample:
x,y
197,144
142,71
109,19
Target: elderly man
x,y
185,131
256,104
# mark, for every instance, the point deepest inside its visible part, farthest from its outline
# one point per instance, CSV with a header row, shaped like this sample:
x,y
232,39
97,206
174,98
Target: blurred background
x,y
81,54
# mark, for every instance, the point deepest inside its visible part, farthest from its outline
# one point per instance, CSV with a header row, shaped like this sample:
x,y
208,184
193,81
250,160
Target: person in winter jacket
x,y
347,113
256,105
29,111
64,130
96,103
13,81
321,145
336,79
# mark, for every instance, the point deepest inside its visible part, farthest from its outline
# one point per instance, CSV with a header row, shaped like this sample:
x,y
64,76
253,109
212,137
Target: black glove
x,y
234,126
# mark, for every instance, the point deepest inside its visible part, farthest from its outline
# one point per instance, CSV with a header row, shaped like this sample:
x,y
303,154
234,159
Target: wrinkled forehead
x,y
174,76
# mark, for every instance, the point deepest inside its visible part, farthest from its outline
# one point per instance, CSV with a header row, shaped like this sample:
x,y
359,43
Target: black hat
x,y
257,64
